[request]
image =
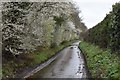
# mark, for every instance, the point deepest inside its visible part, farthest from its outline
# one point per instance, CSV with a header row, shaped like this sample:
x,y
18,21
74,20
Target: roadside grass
x,y
100,62
23,61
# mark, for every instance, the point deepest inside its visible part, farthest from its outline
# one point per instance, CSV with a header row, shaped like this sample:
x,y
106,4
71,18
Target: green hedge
x,y
106,34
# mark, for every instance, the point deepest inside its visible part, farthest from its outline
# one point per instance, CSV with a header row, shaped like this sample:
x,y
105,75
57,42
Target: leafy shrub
x,y
100,63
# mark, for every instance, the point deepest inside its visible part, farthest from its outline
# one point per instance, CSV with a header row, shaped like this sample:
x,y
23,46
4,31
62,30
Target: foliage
x,y
27,25
115,29
13,19
59,20
100,63
106,34
100,33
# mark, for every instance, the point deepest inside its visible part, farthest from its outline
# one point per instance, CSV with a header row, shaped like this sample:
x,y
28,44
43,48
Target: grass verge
x,y
13,66
101,63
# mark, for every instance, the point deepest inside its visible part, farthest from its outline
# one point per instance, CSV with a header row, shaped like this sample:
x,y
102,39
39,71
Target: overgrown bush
x,y
100,63
106,34
115,29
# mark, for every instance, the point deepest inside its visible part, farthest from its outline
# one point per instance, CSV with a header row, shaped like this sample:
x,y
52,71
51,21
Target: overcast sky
x,y
94,11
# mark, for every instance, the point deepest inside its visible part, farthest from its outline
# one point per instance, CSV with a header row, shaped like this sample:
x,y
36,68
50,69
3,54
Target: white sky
x,y
94,11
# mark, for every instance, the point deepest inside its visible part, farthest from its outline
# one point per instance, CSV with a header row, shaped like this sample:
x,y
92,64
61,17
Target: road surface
x,y
69,64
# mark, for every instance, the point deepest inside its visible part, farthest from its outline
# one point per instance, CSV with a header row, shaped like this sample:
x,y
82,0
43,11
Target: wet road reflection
x,y
69,64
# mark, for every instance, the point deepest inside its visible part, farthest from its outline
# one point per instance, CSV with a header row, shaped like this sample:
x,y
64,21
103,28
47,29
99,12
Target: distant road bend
x,y
70,64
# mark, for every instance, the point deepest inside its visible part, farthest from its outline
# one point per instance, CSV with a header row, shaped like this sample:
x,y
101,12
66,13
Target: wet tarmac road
x,y
69,64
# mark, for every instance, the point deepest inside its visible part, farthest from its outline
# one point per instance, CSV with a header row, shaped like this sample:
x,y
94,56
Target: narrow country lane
x,y
59,39
69,64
